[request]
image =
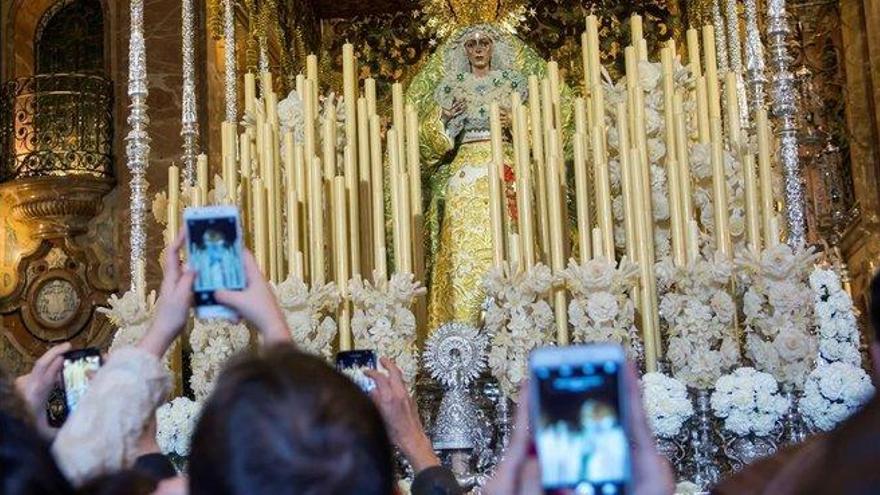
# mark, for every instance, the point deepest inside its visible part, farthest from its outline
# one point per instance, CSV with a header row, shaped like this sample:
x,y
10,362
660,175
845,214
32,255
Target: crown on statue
x,y
446,16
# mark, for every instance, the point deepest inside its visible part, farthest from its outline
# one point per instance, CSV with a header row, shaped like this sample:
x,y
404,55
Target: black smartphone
x,y
578,419
353,363
79,368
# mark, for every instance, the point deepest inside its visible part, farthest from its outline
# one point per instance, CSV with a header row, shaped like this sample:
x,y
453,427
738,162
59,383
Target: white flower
x,y
666,404
602,307
833,392
175,422
748,401
213,342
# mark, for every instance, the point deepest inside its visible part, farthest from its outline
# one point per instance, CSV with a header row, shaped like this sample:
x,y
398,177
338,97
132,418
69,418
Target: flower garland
x,y
130,316
666,403
700,315
213,342
309,314
601,308
749,402
518,320
175,422
777,306
833,392
835,319
383,321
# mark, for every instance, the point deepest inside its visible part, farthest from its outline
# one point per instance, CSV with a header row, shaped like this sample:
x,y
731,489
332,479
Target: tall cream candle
x,y
582,199
250,93
693,44
719,193
414,174
646,270
316,223
537,136
765,174
684,172
603,195
495,199
203,180
398,117
630,202
753,222
340,258
557,254
396,209
173,213
405,219
260,241
378,202
353,204
370,95
364,187
524,186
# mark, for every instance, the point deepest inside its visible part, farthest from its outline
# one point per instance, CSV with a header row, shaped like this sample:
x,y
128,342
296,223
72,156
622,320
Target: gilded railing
x,y
56,125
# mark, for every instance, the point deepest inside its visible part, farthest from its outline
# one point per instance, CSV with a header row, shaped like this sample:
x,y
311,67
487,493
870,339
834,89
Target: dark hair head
x,y
26,465
128,482
287,423
874,305
11,402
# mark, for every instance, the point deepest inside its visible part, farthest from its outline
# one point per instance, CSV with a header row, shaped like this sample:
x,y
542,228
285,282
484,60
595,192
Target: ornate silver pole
x,y
734,51
137,143
264,55
785,110
229,48
720,38
189,122
755,77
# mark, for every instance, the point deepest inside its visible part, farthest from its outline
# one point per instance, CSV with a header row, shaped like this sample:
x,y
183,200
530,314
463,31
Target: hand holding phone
x,y
578,415
215,247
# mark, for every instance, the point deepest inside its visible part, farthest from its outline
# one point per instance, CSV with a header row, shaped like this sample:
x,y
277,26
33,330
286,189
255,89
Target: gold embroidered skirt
x,y
465,252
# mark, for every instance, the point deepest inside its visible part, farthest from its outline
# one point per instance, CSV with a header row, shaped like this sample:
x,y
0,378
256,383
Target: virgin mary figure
x,y
477,66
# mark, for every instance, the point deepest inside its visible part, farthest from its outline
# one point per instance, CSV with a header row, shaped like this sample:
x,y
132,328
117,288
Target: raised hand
x,y
173,305
36,386
402,416
257,303
518,473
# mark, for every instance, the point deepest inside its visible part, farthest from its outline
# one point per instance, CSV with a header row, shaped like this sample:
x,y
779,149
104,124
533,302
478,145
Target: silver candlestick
x,y
137,144
734,52
785,109
189,122
720,38
230,69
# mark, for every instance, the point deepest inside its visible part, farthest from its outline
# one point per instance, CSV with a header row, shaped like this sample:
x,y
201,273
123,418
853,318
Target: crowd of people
x,y
281,421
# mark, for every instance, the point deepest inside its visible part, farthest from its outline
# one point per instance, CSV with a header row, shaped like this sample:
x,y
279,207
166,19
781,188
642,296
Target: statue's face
x,y
479,51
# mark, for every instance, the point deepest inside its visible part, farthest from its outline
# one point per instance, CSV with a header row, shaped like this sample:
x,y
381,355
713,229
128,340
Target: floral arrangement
x,y
518,320
666,403
382,318
835,319
749,402
309,314
175,422
833,392
291,117
130,315
700,315
213,342
601,308
777,305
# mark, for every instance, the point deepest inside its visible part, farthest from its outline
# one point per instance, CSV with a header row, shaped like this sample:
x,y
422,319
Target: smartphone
x,y
214,247
78,369
353,363
578,419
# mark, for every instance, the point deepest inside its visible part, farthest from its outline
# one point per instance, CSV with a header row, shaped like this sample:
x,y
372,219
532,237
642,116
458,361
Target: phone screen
x,y
78,369
215,253
353,363
579,430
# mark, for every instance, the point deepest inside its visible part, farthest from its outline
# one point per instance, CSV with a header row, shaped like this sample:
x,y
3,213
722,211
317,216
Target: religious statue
x,y
477,66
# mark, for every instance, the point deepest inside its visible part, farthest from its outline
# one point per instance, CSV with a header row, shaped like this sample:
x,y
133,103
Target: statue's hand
x,y
458,107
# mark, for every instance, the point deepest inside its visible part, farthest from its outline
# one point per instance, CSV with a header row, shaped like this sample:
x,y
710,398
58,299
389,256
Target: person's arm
x,y
257,304
401,417
102,435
